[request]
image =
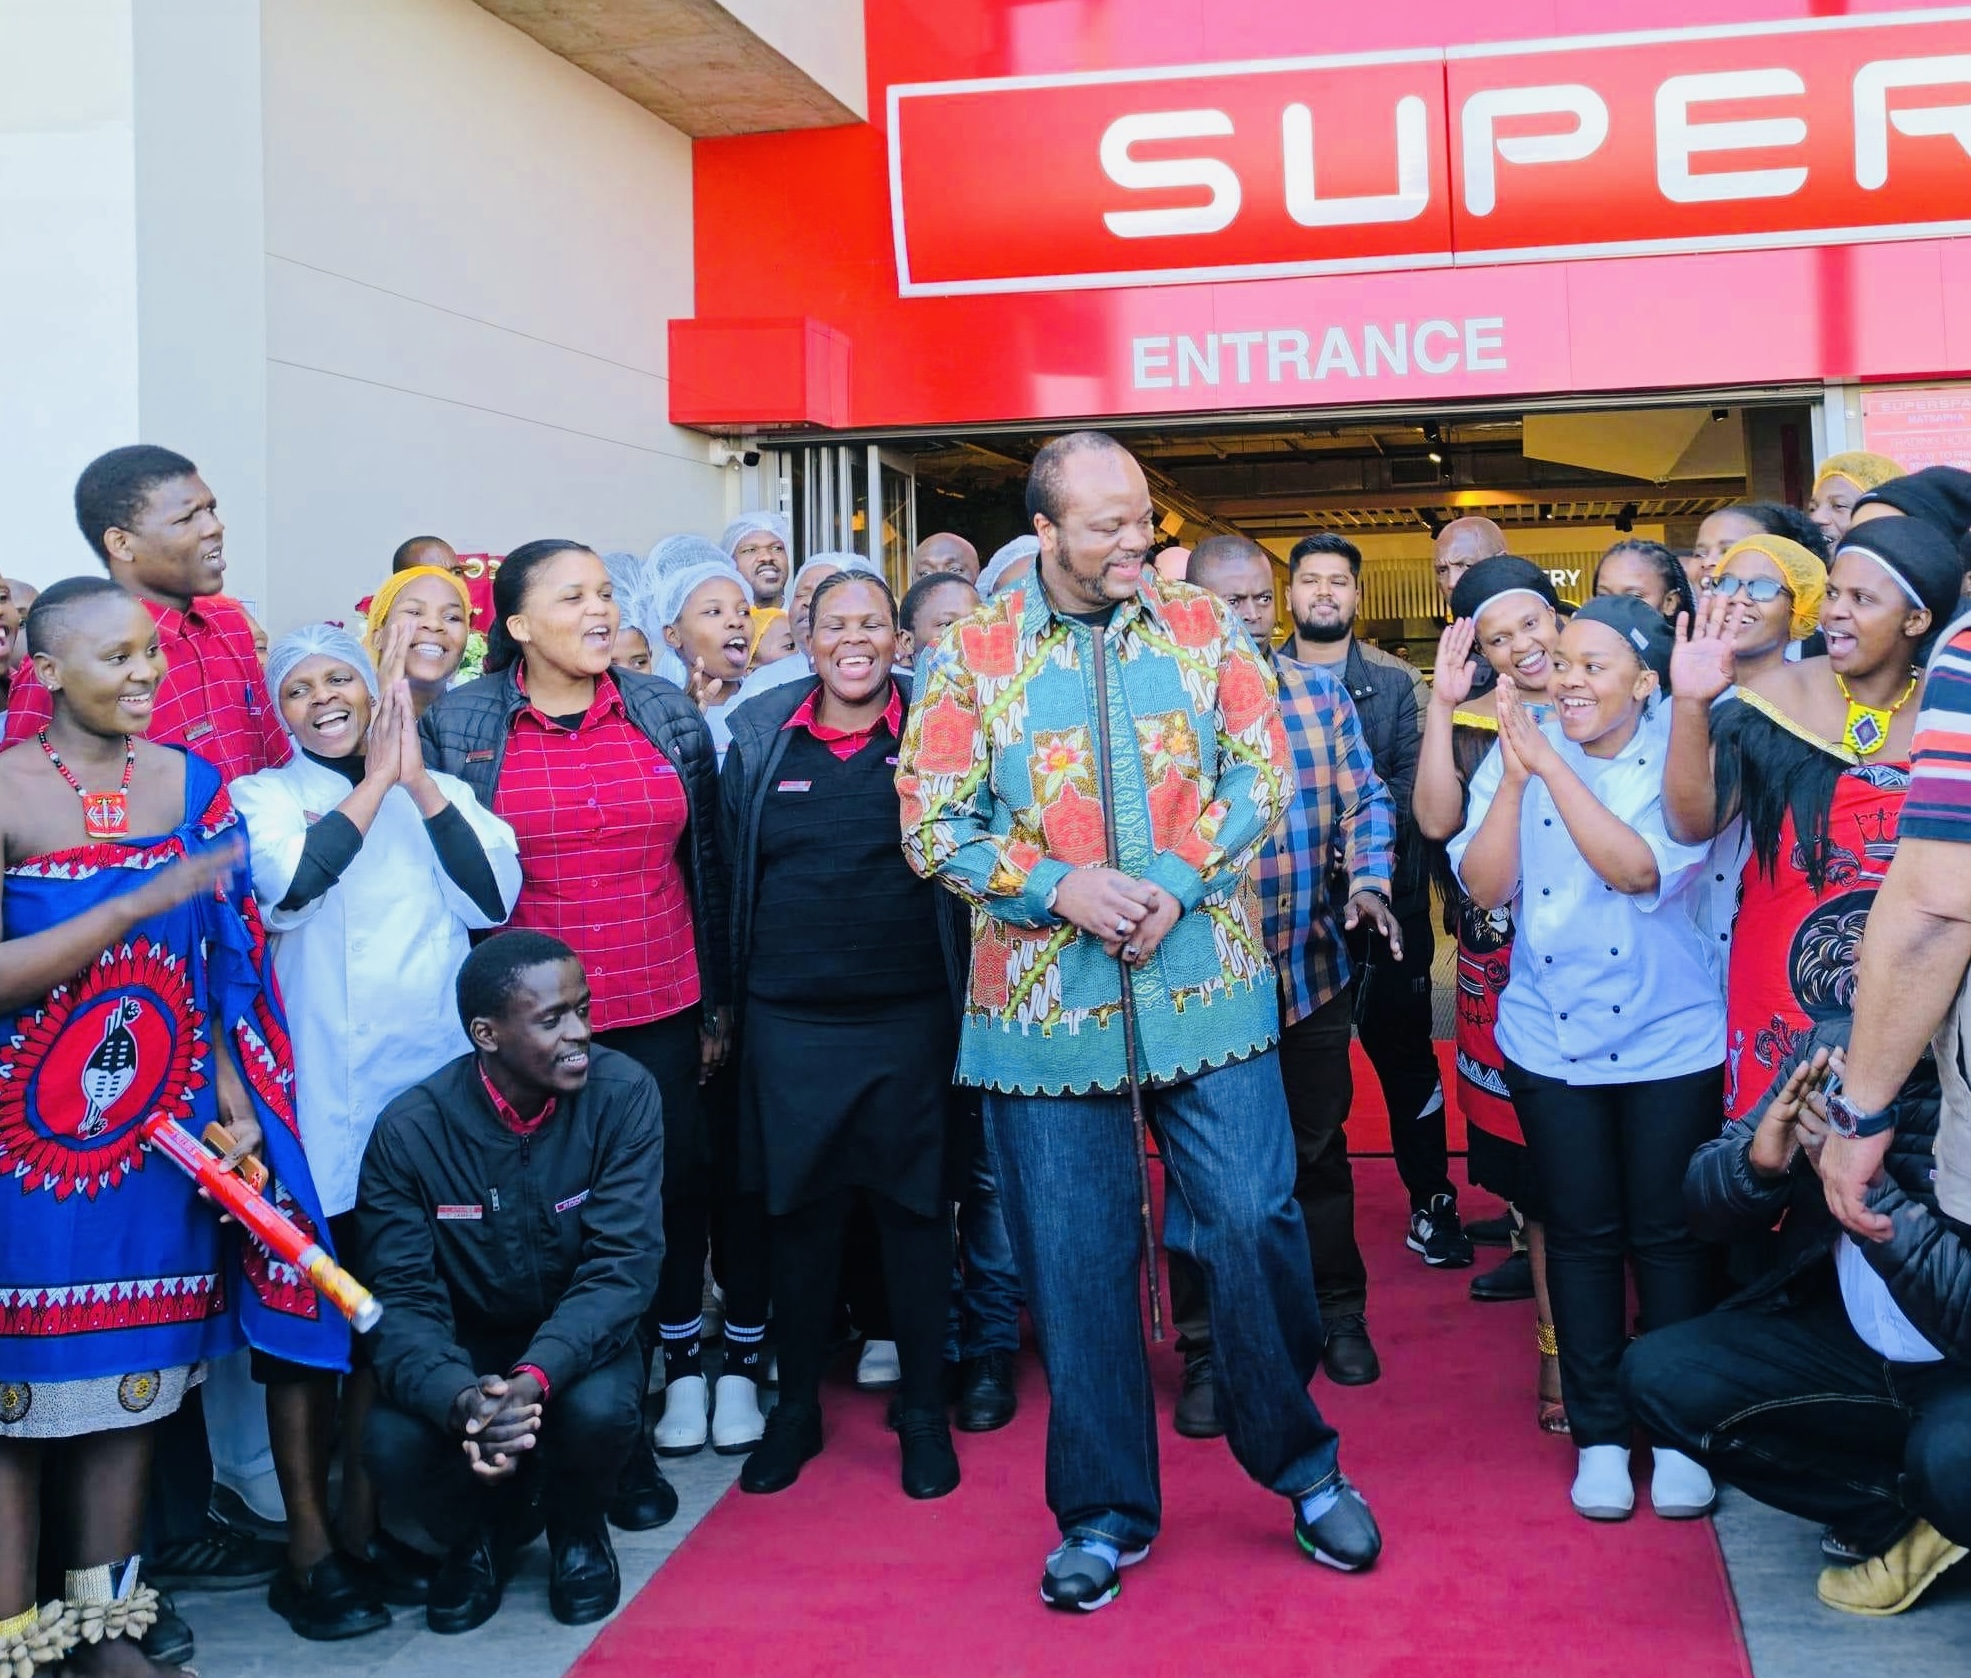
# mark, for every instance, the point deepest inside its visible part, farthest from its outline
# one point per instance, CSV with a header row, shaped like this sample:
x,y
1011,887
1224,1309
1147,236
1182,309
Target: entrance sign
x,y
1821,131
1918,426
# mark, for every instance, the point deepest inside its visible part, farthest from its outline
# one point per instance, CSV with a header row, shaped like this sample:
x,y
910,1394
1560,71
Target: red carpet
x,y
1487,1573
1368,1114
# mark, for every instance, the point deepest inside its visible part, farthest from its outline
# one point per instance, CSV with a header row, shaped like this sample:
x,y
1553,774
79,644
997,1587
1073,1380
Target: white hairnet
x,y
673,593
328,639
773,524
632,577
1021,547
827,562
674,553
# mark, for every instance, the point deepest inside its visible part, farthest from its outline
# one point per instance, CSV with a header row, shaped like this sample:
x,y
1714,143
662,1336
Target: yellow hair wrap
x,y
1805,576
386,597
1864,470
762,622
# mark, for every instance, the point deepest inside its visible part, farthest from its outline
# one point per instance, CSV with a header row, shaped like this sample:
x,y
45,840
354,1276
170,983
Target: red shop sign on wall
x,y
1741,137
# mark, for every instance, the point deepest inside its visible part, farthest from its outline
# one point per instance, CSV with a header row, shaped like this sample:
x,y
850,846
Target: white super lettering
x,y
1428,363
1678,139
1150,363
1411,197
1482,112
1873,118
1162,174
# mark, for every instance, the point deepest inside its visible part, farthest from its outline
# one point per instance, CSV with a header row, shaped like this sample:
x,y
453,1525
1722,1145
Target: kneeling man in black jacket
x,y
1838,1385
510,1219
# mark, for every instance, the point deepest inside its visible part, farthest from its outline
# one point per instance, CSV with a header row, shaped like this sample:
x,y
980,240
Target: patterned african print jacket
x,y
1001,789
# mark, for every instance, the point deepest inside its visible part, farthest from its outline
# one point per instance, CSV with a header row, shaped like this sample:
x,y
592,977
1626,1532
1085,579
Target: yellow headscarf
x,y
1864,470
762,622
1805,576
386,596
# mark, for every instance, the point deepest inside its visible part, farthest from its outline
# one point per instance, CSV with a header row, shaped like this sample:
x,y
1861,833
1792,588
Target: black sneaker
x,y
1197,1401
792,1440
333,1603
1083,1579
1346,1538
169,1642
1512,1279
219,1558
986,1399
1436,1234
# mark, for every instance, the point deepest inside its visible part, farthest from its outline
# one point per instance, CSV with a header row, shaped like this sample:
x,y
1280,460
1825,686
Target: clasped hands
x,y
498,1417
1130,916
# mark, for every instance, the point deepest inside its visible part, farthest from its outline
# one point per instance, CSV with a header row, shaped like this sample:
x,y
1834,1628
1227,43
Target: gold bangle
x,y
1545,1338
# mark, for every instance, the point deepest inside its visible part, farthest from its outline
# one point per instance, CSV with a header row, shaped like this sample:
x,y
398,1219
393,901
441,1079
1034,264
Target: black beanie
x,y
1940,496
1501,574
1916,555
1646,629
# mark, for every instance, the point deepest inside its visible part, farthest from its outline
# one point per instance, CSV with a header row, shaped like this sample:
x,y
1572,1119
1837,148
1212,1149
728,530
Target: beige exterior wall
x,y
472,249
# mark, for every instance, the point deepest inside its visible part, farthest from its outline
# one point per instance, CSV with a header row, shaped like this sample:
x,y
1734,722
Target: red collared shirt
x,y
510,1114
841,743
599,813
213,699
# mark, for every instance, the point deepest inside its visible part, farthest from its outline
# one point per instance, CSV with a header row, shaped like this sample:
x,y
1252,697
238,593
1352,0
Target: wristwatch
x,y
1852,1122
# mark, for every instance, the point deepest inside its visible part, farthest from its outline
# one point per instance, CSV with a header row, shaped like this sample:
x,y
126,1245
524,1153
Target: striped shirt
x,y
1939,801
1341,806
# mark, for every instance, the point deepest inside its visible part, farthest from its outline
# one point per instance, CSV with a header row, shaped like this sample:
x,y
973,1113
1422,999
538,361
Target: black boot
x,y
791,1441
986,1399
465,1594
584,1583
644,1499
930,1465
1197,1402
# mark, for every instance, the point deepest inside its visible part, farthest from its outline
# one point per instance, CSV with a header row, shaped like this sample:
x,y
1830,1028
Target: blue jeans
x,y
1067,1177
985,1284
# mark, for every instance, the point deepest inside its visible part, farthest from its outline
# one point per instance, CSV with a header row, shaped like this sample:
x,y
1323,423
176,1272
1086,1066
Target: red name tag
x,y
460,1214
794,786
571,1202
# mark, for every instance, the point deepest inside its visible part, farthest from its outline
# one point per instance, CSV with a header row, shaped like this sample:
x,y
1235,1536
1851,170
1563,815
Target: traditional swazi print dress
x,y
116,1281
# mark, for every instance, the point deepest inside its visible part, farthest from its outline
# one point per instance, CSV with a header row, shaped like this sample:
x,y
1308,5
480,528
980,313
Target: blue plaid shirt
x,y
1342,807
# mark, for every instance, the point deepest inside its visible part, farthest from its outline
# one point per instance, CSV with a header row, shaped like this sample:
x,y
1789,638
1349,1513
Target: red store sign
x,y
1733,138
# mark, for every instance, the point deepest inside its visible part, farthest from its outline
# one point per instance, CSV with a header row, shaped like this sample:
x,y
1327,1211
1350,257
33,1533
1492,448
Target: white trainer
x,y
686,1420
736,1420
1680,1489
1603,1490
879,1368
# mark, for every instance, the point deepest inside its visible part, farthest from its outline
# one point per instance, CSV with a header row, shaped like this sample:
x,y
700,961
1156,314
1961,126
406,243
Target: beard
x,y
1324,633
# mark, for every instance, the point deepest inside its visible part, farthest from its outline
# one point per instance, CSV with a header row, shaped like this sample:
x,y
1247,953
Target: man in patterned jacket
x,y
1008,801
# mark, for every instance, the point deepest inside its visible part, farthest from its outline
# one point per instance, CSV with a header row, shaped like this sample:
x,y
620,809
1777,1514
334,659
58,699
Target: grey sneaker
x,y
1081,1577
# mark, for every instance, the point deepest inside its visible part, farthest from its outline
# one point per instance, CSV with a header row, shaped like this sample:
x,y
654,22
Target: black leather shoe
x,y
1197,1401
332,1603
1349,1359
218,1558
1345,1538
1492,1232
791,1441
465,1593
583,1581
644,1499
930,1465
395,1572
169,1641
1512,1279
986,1400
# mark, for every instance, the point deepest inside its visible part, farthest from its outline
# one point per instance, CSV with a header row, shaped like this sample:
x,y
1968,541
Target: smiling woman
x,y
419,622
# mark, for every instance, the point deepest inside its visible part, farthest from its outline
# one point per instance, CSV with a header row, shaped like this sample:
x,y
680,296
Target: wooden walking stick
x,y
1105,759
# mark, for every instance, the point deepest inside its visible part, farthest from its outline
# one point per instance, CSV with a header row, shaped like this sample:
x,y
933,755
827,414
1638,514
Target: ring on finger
x,y
1124,926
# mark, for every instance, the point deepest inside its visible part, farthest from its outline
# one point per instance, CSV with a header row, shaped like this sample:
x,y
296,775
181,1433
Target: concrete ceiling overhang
x,y
708,69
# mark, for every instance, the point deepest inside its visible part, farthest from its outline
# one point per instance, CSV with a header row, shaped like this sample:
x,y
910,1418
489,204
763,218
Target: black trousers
x,y
1610,1161
587,1429
1394,1022
1320,1084
807,1267
1794,1409
668,1050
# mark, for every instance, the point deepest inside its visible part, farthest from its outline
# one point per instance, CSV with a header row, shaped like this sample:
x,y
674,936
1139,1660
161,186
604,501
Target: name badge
x,y
571,1202
198,731
460,1214
892,762
795,786
479,757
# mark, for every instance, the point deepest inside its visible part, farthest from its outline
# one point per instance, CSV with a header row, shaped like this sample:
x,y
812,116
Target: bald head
x,y
1460,545
944,554
1173,564
1240,572
424,550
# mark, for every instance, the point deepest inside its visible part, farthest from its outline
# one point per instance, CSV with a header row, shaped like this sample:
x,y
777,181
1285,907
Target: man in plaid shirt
x,y
1343,809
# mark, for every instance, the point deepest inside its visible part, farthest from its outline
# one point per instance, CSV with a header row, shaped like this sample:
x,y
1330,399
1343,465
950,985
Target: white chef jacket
x,y
367,969
1607,988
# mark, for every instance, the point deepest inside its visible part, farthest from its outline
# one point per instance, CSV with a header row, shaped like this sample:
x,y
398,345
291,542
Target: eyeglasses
x,y
1759,590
